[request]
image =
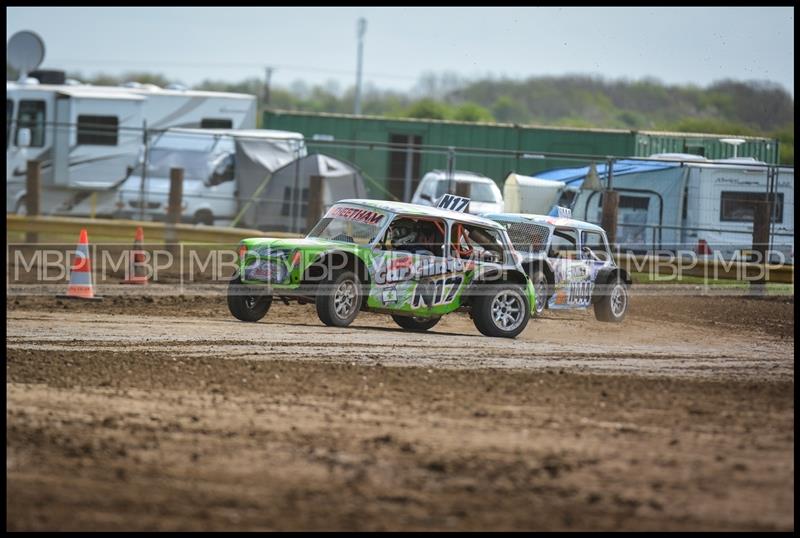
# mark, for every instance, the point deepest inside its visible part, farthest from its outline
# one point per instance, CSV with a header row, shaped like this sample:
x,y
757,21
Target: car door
x,y
409,267
571,273
595,253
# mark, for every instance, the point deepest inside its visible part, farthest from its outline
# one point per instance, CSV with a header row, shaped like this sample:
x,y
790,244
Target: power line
x,y
226,65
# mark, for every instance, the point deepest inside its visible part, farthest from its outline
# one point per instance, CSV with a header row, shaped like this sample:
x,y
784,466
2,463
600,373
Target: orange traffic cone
x,y
137,273
80,276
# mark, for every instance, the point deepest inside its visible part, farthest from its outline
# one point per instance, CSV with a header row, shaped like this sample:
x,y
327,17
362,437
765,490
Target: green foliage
x,y
711,126
429,109
472,112
508,110
727,107
785,136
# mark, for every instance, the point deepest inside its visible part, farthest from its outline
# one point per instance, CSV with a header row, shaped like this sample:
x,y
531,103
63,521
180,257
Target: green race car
x,y
415,263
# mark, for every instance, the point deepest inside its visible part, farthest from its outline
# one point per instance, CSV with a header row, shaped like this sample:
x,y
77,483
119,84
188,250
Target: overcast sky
x,y
675,45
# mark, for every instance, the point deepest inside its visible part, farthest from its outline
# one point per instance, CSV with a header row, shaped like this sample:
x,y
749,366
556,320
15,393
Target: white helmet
x,y
402,234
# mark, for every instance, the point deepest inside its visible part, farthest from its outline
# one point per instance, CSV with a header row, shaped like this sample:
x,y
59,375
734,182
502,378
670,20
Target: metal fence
x,y
221,202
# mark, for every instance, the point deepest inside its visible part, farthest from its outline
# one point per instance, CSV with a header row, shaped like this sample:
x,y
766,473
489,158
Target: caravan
x,y
677,202
89,138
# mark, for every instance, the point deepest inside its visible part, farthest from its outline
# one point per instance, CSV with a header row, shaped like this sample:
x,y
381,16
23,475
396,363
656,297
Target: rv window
x,y
32,116
629,202
9,118
741,206
98,130
215,123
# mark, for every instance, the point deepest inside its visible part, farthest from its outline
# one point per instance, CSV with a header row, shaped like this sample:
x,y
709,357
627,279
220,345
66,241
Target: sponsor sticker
x,y
355,214
389,295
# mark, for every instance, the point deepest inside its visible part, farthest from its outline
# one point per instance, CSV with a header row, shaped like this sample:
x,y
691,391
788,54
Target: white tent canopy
x,y
526,194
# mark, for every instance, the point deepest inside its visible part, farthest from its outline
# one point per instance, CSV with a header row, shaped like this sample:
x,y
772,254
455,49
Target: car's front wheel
x,y
246,303
415,324
501,310
339,300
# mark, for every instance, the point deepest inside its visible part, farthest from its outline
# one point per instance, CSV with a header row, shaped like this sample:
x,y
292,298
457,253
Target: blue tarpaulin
x,y
650,191
574,176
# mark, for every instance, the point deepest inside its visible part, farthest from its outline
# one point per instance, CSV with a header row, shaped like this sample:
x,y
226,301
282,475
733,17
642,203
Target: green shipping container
x,y
386,168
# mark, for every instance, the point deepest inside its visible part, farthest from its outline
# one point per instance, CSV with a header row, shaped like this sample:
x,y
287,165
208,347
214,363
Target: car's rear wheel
x,y
247,303
542,288
501,310
415,324
339,301
613,304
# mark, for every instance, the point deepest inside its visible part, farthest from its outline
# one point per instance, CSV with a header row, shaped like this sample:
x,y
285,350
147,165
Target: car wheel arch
x,y
607,275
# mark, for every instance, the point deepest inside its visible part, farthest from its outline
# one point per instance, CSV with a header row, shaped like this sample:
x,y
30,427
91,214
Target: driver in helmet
x,y
402,235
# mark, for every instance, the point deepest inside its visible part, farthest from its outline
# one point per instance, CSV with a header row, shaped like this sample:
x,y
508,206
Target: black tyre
x,y
613,303
339,300
204,217
543,290
501,310
415,324
246,303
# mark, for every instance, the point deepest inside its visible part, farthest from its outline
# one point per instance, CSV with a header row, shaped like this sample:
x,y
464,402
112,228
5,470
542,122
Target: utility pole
x,y
361,30
267,78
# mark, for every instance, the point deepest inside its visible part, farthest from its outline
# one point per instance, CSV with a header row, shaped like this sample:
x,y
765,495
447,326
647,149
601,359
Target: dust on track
x,y
163,413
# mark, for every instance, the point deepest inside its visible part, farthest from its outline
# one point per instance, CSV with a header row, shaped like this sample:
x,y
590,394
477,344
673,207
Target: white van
x,y
208,160
485,196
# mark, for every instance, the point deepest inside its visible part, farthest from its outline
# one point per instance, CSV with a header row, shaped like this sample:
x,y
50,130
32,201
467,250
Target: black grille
x,y
528,237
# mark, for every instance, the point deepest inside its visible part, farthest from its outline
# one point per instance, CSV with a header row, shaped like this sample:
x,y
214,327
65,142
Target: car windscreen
x,y
349,224
479,192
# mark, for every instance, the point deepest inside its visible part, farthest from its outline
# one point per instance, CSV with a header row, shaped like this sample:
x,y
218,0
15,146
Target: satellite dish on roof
x,y
25,52
735,142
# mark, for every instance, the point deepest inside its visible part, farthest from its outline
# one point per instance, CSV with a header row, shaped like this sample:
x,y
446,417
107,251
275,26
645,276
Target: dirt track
x,y
165,413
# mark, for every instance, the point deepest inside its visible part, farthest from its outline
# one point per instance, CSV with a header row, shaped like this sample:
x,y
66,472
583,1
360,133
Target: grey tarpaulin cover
x,y
257,159
282,204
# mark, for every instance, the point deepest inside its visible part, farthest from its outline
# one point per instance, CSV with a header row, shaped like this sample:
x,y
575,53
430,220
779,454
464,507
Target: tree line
x,y
730,107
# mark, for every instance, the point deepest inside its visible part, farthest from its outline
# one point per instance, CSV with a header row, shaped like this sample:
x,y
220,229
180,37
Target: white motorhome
x,y
89,138
679,202
694,204
721,199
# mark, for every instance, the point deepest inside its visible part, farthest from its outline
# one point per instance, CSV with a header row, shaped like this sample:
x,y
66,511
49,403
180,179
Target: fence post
x,y
174,209
314,211
609,219
409,169
464,189
761,222
143,178
33,193
451,167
